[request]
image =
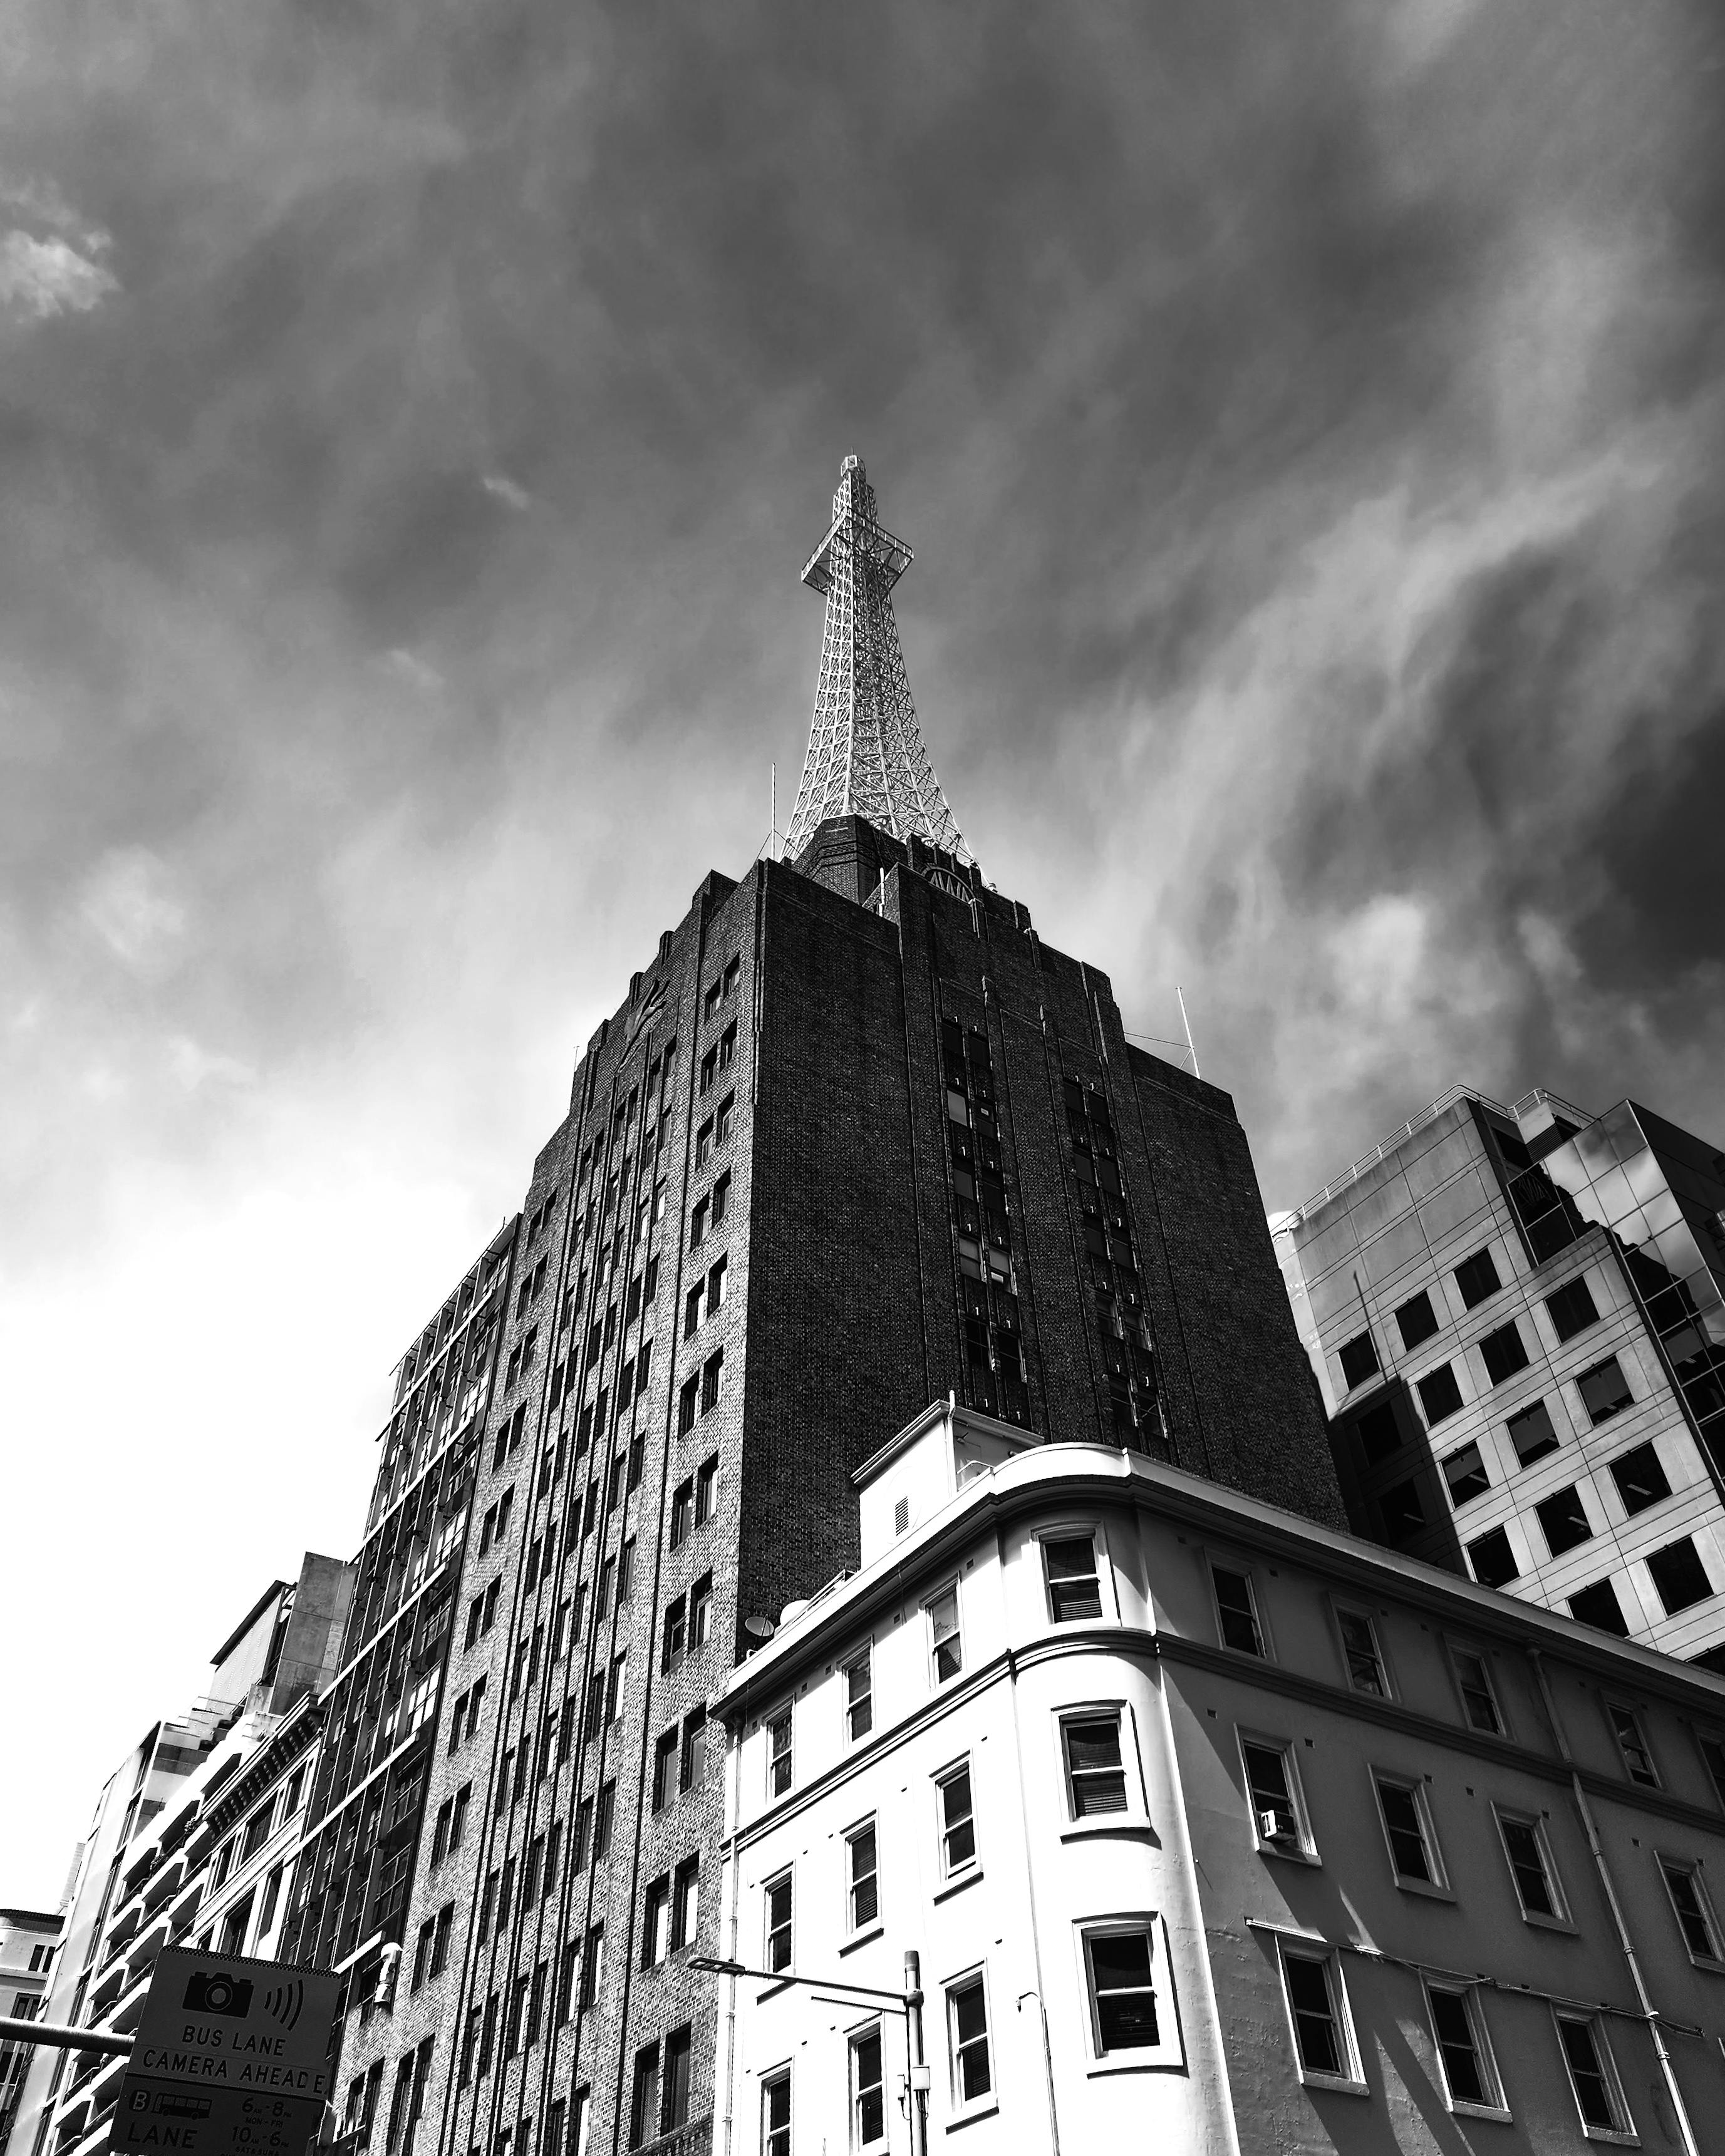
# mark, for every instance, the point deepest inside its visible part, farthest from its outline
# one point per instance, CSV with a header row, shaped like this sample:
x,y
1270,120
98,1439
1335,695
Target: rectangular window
x,y
1413,1852
1477,1278
1415,1321
1470,2071
1532,1433
868,2089
1598,1606
723,1118
1270,1786
1074,1586
604,1819
957,1820
1360,1650
1096,1770
863,1888
704,1143
1358,1358
688,1401
1593,2073
1563,1521
776,2113
1524,1847
721,1197
716,1288
686,1902
655,1929
712,1381
968,2036
1640,1478
706,1488
1378,1433
691,1311
1479,1697
1712,1753
1492,1558
697,1223
643,2097
1691,1908
778,1754
679,2061
701,1612
665,1765
1117,1965
1439,1395
1503,1353
695,1749
1571,1309
945,1642
776,1904
675,1635
1237,1610
1465,1474
1604,1391
1680,1576
860,1696
592,1964
1317,2011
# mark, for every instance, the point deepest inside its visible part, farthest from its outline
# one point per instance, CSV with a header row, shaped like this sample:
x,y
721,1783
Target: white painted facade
x,y
1035,1944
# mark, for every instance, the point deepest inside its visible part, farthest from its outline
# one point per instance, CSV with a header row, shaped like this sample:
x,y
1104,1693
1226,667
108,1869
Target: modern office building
x,y
193,1842
857,1138
27,1939
1518,1319
1210,1828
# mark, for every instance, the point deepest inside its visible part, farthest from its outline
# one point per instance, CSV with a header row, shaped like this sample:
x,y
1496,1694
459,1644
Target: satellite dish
x,y
759,1628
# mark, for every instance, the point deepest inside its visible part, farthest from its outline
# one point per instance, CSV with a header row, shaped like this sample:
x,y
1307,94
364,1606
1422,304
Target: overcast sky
x,y
412,418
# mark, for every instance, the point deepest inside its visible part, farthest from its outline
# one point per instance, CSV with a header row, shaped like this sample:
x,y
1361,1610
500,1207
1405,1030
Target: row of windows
x,y
1679,1575
1241,1628
1071,1582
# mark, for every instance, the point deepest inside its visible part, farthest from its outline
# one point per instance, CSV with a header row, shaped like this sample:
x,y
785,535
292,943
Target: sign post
x,y
231,2058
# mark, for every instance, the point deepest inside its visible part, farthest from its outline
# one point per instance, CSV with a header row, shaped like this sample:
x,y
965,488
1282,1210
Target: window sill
x,y
1560,1924
862,1939
1500,2112
773,1990
1152,2059
1336,2084
1425,1887
1133,1827
970,2118
1611,2136
1289,1853
1706,1962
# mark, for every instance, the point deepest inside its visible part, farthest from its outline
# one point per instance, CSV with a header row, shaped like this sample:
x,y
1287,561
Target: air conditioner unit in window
x,y
1269,1825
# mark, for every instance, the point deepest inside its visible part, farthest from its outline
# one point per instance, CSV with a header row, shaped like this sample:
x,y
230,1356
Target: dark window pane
x,y
1073,1589
1461,2059
1439,1395
1526,1862
1407,1836
1680,1576
1465,1472
1604,1391
1493,1560
1358,1358
1598,1606
1685,1900
1267,1783
1640,1479
1532,1434
1126,2005
1378,1434
1239,1620
1563,1519
1416,1320
1593,2092
1502,1352
1404,1514
1572,1309
1477,1697
1315,2030
1477,1278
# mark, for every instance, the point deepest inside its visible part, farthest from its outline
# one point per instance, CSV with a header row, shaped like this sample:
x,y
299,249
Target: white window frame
x,y
1136,1818
1437,1886
1225,1561
1666,1863
1621,1705
1075,1531
787,1716
770,2079
1623,2136
1303,1849
860,2034
1353,2082
851,1834
1453,1648
1494,2106
1169,2049
1513,1814
940,1779
1345,1605
786,1877
947,1587
864,1658
989,2100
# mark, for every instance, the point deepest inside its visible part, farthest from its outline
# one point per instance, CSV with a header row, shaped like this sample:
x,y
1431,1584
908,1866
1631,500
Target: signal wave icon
x,y
282,2002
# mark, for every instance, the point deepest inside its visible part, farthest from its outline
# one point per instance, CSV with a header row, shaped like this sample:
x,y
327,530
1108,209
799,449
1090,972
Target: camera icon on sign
x,y
214,1992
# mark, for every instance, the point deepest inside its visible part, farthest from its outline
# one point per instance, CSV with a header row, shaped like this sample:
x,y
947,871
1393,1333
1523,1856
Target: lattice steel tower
x,y
866,755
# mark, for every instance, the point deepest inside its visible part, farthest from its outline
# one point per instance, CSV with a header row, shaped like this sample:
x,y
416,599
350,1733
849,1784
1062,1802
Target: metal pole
x,y
64,2039
1187,1023
913,2040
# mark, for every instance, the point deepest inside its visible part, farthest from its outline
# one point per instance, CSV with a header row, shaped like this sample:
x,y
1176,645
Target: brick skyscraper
x,y
855,1139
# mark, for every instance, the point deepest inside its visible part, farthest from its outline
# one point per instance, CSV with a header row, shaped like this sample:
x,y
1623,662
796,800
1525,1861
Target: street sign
x,y
231,2058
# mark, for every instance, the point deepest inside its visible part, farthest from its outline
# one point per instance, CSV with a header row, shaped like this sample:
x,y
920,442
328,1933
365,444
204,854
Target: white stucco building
x,y
1213,1830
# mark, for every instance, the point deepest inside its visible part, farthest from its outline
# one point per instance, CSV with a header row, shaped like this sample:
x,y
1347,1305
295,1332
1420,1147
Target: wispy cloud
x,y
40,278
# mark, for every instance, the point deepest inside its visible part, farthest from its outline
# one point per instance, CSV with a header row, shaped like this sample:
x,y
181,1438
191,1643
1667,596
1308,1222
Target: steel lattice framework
x,y
866,755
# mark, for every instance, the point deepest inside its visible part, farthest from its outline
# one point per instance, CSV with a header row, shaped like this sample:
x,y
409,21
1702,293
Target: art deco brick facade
x,y
856,1140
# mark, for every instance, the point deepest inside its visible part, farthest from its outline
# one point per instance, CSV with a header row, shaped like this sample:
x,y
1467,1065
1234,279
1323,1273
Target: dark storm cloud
x,y
412,418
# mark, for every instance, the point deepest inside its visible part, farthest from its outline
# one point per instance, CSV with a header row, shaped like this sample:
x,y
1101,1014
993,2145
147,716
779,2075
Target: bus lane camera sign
x,y
231,2058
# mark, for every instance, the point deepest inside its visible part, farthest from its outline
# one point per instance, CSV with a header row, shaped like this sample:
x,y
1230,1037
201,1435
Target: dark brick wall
x,y
842,1320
